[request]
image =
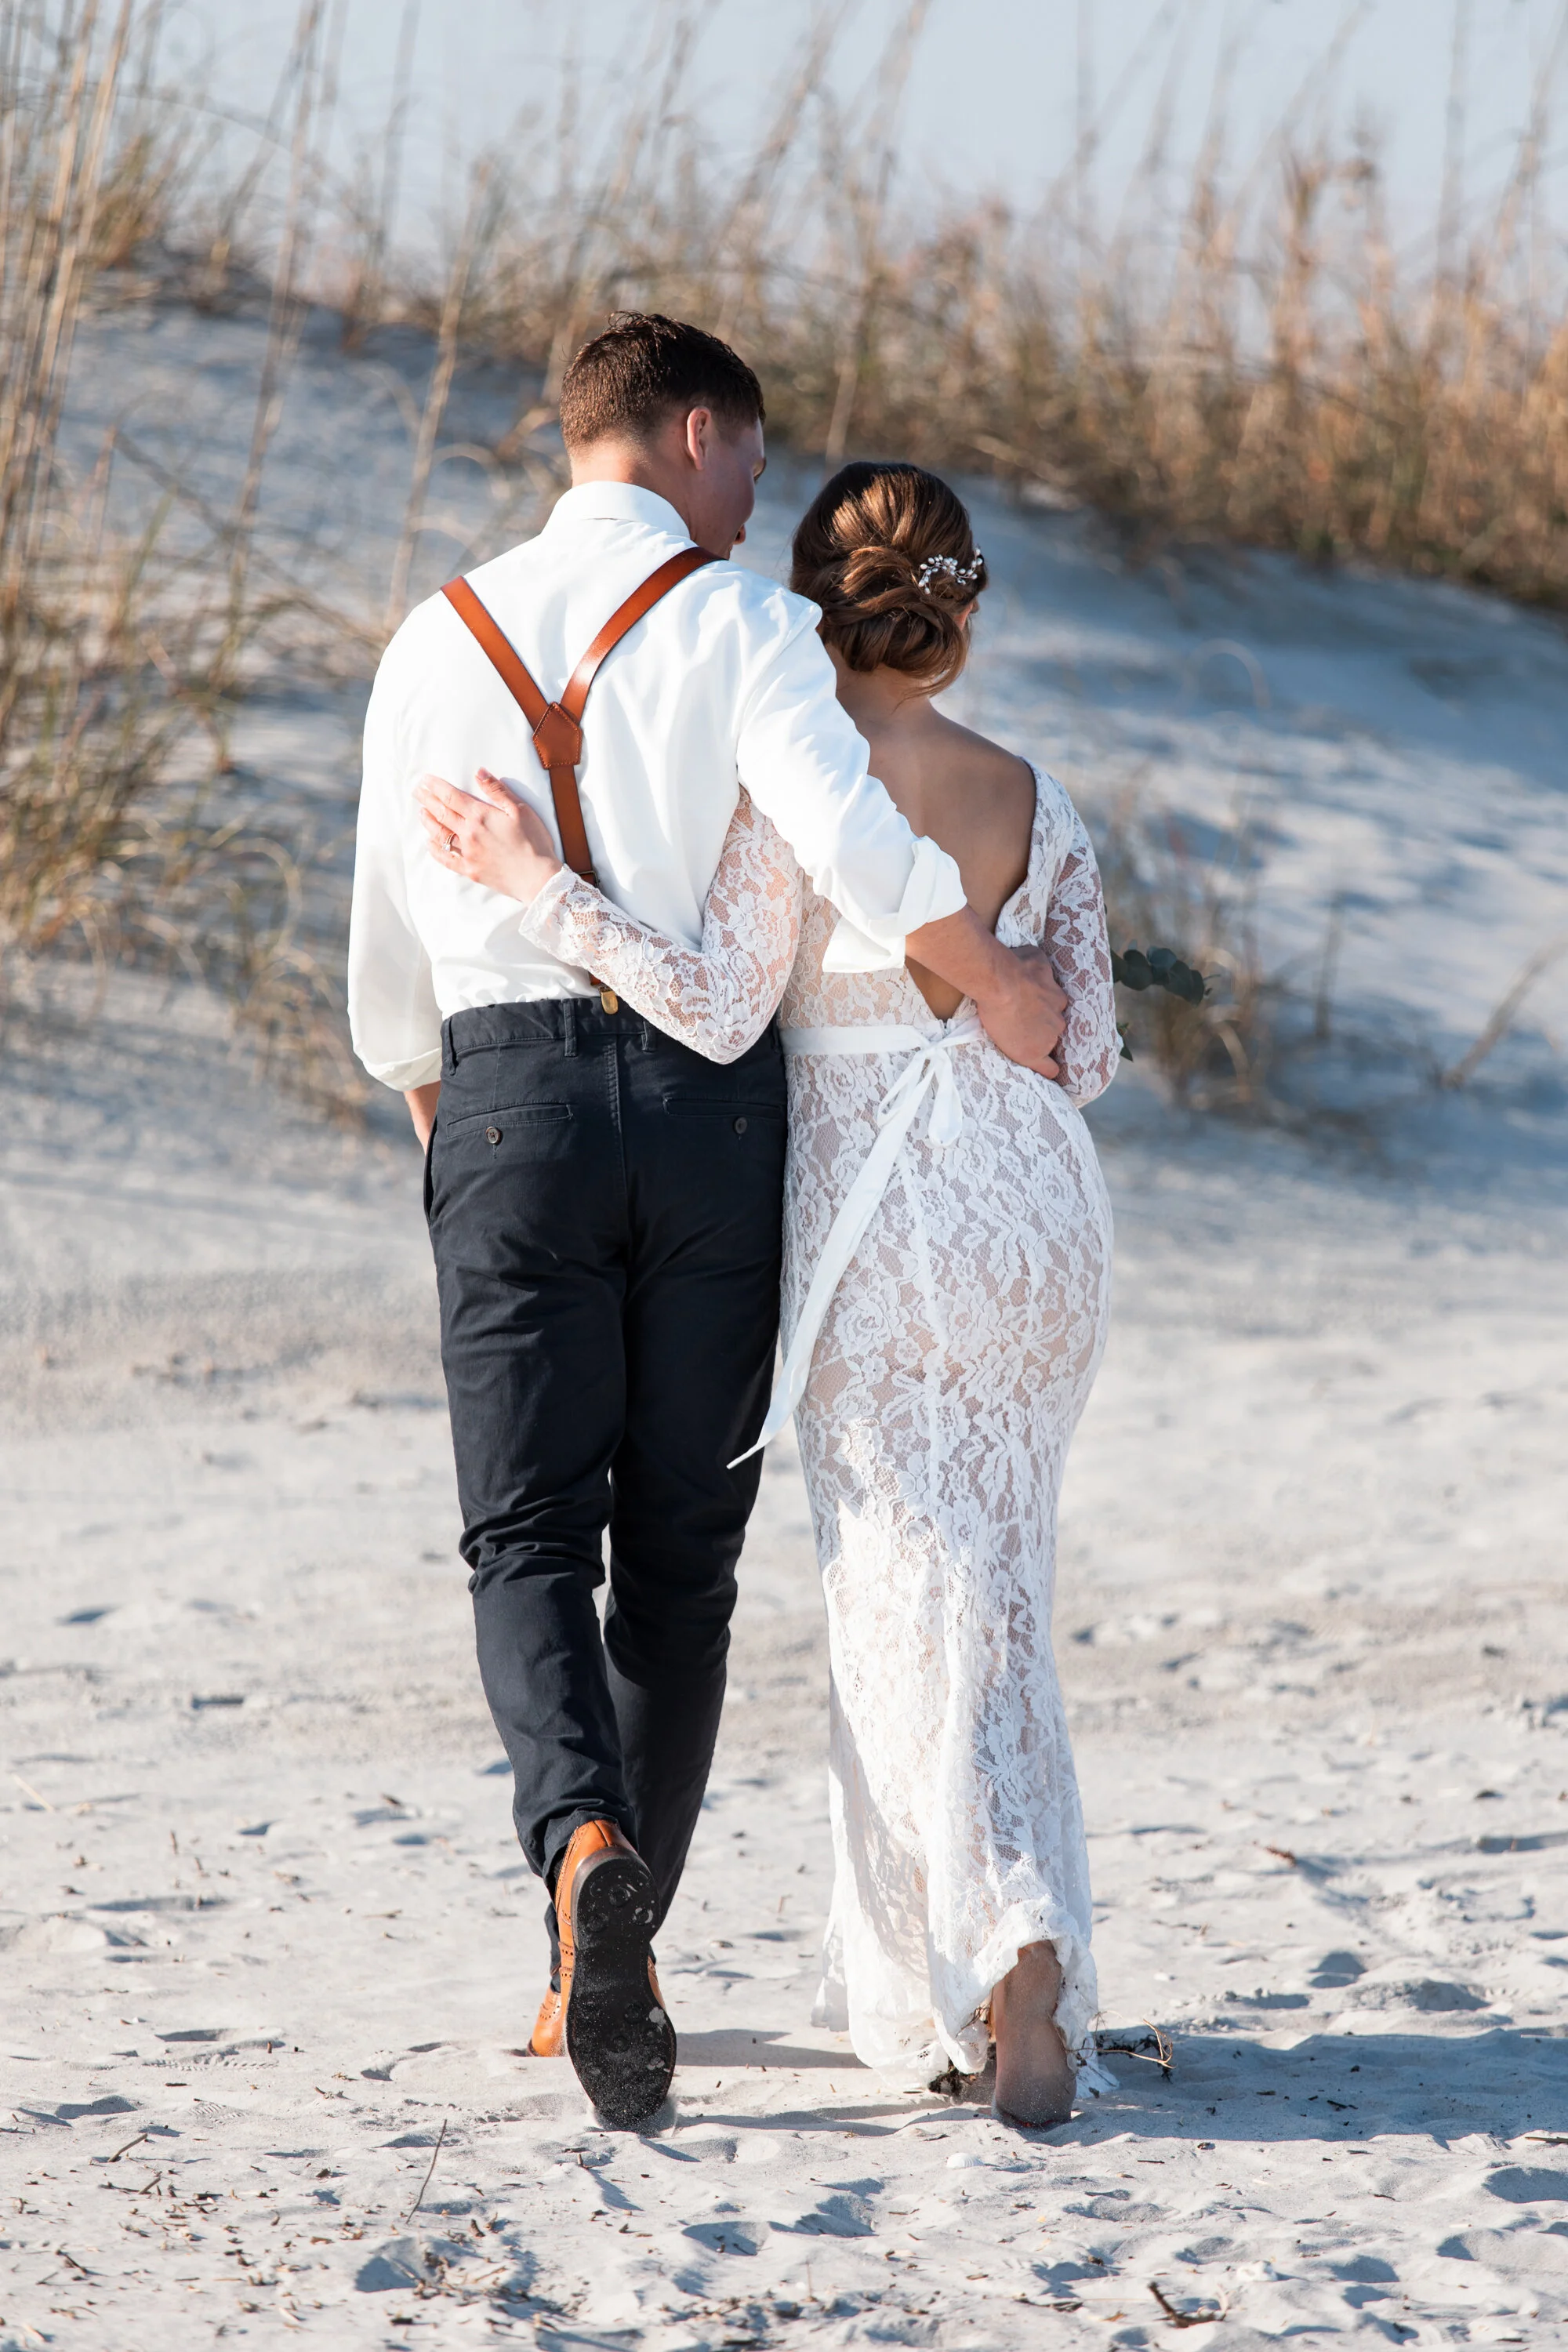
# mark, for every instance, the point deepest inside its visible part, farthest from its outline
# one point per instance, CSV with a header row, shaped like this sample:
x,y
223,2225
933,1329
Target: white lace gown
x,y
938,1391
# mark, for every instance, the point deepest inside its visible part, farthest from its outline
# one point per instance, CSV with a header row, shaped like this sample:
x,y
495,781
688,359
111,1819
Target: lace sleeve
x,y
718,998
1078,945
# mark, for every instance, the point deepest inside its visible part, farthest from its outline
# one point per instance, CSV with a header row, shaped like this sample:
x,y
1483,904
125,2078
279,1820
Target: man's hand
x,y
1025,1022
488,835
1015,990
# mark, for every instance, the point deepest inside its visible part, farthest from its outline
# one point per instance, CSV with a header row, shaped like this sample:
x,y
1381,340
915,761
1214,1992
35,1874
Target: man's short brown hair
x,y
624,384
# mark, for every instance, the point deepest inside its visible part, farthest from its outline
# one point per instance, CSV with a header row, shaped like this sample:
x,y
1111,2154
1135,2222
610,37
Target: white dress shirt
x,y
724,682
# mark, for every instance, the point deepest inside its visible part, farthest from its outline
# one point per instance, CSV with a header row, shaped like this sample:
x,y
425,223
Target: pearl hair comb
x,y
963,575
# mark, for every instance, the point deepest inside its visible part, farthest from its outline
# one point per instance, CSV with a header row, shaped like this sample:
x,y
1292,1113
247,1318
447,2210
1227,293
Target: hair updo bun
x,y
888,553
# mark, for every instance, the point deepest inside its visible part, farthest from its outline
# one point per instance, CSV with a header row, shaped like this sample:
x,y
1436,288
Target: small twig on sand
x,y
1182,2318
1280,1853
128,2146
1164,2049
73,2261
430,2173
1162,2055
28,1791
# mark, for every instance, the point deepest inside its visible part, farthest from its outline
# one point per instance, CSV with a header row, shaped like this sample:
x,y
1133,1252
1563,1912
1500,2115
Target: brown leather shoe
x,y
548,2039
615,2030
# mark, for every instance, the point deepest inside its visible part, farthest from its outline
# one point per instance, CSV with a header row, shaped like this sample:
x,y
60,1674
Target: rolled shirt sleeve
x,y
805,766
393,1017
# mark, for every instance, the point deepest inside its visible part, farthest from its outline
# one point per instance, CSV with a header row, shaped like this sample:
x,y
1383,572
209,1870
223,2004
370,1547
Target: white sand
x,y
267,1941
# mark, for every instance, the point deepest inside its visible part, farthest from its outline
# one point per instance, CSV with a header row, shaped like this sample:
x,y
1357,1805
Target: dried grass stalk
x,y
117,656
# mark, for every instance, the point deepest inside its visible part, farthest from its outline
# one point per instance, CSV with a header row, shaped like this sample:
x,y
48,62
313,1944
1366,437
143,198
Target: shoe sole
x,y
621,2043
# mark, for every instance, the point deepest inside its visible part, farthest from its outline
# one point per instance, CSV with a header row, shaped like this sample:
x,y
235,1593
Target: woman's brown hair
x,y
888,553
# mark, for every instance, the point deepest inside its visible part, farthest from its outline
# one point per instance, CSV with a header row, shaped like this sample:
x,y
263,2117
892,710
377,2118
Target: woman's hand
x,y
488,835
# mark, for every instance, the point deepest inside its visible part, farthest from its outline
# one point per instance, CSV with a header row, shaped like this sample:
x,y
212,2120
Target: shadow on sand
x,y
734,2046
1343,2088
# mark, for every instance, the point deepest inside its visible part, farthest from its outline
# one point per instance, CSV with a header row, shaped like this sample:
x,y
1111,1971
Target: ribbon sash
x,y
928,1071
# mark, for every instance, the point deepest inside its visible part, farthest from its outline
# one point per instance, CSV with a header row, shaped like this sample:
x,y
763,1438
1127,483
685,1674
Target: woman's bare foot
x,y
1034,2074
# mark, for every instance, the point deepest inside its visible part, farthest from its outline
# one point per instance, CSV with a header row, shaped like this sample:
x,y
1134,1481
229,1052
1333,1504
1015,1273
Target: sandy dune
x,y
268,1950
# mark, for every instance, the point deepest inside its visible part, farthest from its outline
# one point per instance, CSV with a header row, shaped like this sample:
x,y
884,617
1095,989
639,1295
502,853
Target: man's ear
x,y
700,430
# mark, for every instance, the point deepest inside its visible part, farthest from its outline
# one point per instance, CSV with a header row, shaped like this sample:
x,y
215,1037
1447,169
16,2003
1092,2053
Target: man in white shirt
x,y
603,1203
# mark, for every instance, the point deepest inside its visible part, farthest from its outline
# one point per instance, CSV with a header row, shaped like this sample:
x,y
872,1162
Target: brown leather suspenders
x,y
558,726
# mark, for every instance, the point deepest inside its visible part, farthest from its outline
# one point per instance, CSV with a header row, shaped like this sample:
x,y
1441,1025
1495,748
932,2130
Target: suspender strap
x,y
557,727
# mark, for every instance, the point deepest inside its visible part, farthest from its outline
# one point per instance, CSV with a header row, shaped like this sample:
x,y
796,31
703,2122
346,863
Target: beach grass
x,y
1247,356
123,653
1247,359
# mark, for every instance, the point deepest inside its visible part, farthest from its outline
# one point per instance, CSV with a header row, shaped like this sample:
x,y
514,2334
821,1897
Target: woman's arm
x,y
1078,945
718,998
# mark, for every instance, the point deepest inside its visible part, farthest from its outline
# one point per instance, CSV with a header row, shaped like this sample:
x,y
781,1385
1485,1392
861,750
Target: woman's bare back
x,y
973,799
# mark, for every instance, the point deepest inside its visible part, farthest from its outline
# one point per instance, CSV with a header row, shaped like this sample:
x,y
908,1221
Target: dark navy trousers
x,y
604,1207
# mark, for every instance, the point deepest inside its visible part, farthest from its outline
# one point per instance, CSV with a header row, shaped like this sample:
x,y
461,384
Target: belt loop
x,y
448,1052
644,1040
569,1025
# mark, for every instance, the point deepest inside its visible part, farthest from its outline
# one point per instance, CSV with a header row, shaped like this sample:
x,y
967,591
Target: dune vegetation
x,y
1248,358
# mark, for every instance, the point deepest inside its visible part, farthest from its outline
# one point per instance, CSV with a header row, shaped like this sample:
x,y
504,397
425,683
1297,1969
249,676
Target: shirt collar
x,y
616,502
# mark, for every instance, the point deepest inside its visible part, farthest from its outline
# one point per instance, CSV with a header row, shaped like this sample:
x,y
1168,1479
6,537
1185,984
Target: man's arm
x,y
1021,1008
804,765
394,1018
422,1102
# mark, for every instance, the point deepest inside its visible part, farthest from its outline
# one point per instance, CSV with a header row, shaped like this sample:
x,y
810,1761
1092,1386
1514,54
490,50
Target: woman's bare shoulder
x,y
985,762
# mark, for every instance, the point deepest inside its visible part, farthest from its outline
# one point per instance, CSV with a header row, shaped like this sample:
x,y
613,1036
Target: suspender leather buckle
x,y
558,739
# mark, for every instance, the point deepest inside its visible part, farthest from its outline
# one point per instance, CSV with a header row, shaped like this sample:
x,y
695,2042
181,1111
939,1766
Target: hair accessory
x,y
963,575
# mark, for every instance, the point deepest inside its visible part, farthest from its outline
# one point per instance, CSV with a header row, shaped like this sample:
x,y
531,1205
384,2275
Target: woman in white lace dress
x,y
947,1256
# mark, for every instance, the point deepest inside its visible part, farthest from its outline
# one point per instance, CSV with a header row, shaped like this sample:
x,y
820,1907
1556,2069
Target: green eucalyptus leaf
x,y
1184,981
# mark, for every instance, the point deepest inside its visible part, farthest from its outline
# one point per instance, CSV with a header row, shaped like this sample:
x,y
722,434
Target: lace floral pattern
x,y
945,1385
718,998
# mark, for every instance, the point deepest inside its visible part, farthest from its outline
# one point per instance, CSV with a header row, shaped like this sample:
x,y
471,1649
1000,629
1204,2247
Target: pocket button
x,y
740,1126
492,1135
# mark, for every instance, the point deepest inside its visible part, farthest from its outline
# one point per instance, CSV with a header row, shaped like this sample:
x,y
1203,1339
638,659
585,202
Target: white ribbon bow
x,y
928,1071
